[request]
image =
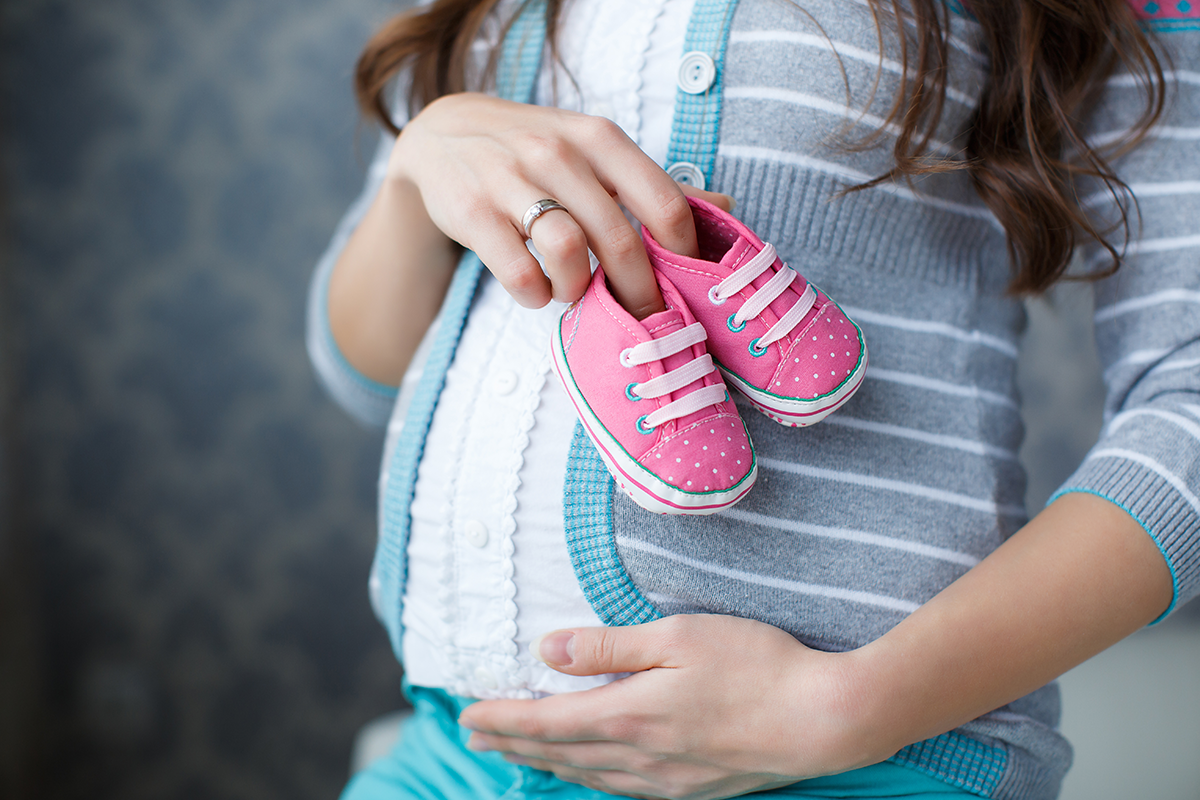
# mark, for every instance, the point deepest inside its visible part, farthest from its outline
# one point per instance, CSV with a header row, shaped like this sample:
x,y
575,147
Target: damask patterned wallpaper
x,y
194,516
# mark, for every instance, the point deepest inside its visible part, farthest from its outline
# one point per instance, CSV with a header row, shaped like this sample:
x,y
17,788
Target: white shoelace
x,y
763,297
675,379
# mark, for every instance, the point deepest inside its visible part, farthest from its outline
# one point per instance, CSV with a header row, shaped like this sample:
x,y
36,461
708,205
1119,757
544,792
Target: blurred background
x,y
186,522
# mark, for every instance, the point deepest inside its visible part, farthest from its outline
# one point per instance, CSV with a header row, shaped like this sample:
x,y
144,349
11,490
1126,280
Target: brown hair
x,y
1048,60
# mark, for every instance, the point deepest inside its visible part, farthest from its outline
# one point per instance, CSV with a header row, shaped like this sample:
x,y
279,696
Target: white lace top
x,y
488,565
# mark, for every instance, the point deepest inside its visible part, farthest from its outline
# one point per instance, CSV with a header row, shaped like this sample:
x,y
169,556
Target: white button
x,y
687,173
504,382
476,533
485,678
696,72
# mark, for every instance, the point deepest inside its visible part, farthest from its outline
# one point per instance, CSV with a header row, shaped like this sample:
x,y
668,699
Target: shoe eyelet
x,y
625,356
629,392
739,328
640,429
754,351
713,298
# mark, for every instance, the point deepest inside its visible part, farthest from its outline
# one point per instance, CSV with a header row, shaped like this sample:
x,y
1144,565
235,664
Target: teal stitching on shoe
x,y
729,324
629,392
520,59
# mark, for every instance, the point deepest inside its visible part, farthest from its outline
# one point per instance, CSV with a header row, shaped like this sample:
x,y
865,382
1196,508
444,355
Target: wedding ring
x,y
537,209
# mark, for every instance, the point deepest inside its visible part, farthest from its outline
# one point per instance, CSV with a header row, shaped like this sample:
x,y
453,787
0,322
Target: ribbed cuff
x,y
1159,502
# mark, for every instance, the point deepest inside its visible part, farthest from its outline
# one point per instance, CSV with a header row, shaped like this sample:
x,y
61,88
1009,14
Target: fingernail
x,y
478,745
732,202
466,723
555,649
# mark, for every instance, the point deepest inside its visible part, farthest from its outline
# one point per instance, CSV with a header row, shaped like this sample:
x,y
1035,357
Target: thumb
x,y
599,651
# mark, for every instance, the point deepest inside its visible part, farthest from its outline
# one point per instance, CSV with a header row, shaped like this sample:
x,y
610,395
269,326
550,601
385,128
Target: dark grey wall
x,y
193,517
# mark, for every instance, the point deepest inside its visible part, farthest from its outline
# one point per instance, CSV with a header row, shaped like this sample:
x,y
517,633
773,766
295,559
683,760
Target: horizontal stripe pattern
x,y
858,537
1140,190
941,387
1160,245
935,439
853,177
1189,427
815,103
890,485
1134,304
841,50
1154,466
795,587
868,317
1129,81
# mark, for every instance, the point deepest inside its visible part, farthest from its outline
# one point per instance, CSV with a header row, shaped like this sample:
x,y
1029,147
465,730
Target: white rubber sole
x,y
643,486
799,413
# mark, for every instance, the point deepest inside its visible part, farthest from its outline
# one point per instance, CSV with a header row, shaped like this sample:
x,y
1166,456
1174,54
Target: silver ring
x,y
537,209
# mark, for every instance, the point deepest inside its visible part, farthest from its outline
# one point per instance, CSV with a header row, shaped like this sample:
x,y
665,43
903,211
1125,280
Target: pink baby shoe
x,y
653,403
774,335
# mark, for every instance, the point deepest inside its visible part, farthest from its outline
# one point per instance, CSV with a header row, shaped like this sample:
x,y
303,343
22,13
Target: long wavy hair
x,y
1048,60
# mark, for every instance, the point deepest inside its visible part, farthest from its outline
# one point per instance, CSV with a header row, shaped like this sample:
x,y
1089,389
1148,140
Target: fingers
x,y
499,245
480,162
585,755
602,651
570,717
616,243
642,186
564,247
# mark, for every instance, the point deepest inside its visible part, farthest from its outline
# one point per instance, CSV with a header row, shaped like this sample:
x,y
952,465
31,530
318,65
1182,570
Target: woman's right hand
x,y
479,162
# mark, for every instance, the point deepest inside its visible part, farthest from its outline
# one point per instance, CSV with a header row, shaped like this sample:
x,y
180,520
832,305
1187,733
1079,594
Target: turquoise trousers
x,y
431,762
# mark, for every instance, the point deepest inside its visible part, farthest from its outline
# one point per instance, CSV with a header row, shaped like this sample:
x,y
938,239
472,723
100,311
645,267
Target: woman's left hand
x,y
717,706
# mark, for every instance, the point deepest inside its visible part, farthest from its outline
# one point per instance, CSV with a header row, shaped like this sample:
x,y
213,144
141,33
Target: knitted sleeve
x,y
367,400
1147,319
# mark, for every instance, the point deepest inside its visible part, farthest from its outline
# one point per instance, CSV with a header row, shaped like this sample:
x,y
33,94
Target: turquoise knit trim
x,y
697,125
587,517
1145,527
521,53
957,760
390,554
517,75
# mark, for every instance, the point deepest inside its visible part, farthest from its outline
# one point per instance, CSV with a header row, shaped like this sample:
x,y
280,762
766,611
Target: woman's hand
x,y
465,170
479,162
718,706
